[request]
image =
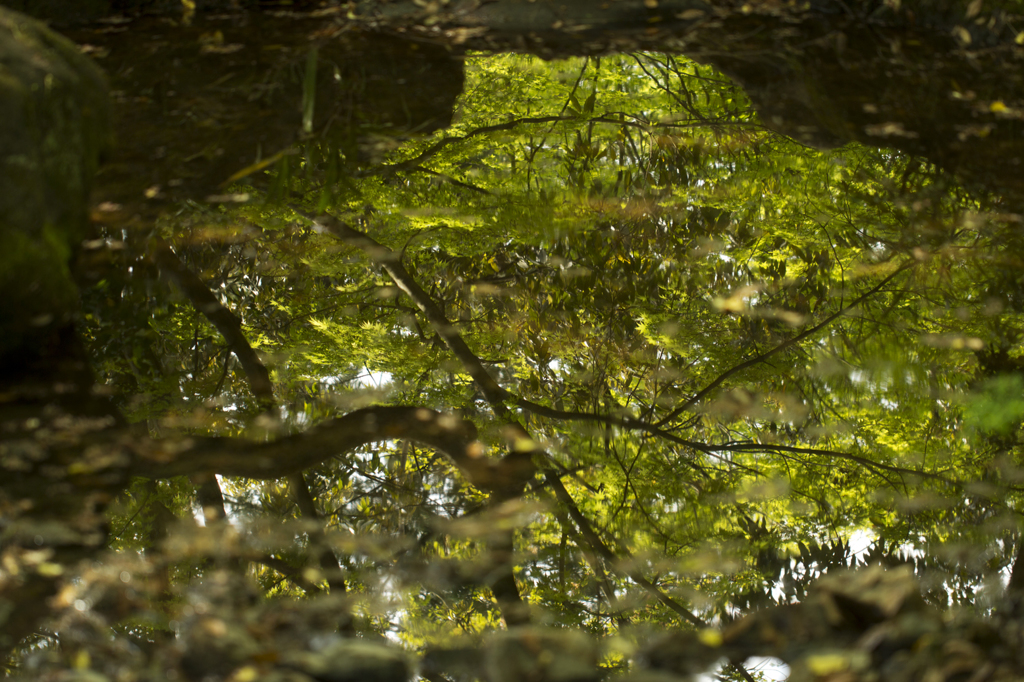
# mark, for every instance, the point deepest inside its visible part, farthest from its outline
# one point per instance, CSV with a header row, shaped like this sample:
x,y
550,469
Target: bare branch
x,y
328,560
226,322
863,461
497,395
616,560
433,149
807,333
389,260
290,572
284,456
507,478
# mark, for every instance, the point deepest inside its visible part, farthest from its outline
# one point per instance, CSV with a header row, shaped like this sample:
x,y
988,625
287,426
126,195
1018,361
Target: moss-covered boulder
x,y
54,108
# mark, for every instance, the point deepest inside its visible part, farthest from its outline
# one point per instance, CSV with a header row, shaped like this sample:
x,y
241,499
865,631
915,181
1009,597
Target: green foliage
x,y
998,405
749,363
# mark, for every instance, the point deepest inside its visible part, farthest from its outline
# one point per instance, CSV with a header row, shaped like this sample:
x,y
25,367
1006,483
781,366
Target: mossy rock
x,y
55,122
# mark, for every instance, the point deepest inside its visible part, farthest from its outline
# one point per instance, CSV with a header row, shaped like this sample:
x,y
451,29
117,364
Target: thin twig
x,y
697,397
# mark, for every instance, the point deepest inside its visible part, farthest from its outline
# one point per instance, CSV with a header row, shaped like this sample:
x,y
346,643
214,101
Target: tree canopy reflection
x,y
604,356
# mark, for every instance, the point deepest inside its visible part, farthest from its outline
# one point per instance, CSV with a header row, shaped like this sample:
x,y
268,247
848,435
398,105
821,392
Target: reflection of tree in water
x,y
647,364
